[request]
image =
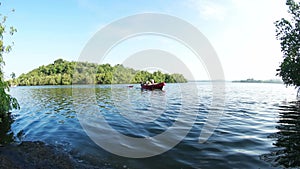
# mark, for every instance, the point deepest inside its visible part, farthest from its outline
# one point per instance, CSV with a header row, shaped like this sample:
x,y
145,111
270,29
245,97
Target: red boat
x,y
153,86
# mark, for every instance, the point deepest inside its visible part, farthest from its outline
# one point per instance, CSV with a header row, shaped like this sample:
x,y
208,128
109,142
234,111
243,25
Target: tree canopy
x,y
288,32
7,102
63,72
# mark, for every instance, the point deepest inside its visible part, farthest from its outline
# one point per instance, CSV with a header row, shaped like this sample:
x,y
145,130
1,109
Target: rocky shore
x,y
37,155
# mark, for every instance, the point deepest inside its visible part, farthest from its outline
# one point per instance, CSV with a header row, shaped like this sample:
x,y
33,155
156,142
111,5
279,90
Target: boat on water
x,y
154,86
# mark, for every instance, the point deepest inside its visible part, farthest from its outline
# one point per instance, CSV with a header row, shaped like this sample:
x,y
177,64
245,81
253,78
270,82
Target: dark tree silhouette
x,y
288,32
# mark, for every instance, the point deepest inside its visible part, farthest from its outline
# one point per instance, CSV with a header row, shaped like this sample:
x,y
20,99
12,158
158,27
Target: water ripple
x,y
259,127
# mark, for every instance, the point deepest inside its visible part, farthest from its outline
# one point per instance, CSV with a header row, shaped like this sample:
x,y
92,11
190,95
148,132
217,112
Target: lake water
x,y
259,128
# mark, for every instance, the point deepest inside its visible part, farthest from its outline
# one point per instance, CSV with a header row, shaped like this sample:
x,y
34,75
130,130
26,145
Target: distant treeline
x,y
257,81
63,72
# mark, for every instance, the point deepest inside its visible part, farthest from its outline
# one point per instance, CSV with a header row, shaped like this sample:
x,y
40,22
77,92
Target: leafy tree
x,y
158,76
62,72
170,78
7,102
178,78
13,75
288,32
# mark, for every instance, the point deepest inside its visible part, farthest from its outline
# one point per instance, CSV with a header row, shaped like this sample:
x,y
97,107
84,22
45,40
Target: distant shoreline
x,y
258,81
240,81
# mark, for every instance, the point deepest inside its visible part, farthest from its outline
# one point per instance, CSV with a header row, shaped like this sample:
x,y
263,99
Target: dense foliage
x,y
288,32
7,102
63,72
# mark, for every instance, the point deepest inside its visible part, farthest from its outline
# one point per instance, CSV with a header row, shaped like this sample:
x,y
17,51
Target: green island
x,y
189,126
257,81
63,72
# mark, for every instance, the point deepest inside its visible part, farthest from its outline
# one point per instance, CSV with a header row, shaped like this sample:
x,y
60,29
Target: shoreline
x,y
38,155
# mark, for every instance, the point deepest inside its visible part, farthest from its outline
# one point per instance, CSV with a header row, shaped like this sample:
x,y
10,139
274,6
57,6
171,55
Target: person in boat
x,y
152,81
144,83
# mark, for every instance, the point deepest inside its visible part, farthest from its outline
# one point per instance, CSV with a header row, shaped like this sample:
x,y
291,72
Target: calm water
x,y
259,128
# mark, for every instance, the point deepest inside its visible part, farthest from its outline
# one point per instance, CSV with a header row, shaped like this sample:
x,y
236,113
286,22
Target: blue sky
x,y
241,31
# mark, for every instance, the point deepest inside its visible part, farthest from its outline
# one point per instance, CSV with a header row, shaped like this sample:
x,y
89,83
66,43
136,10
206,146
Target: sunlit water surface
x,y
259,127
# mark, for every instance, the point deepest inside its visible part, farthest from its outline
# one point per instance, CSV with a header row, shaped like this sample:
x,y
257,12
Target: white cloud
x,y
208,9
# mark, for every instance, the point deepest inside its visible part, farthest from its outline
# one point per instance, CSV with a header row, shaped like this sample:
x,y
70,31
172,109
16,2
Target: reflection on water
x,y
287,151
251,114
